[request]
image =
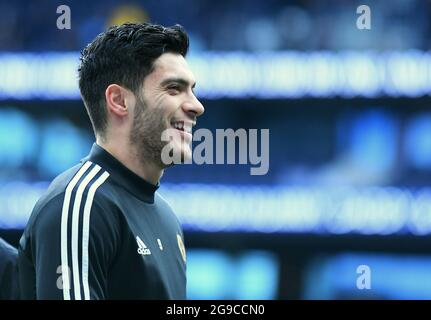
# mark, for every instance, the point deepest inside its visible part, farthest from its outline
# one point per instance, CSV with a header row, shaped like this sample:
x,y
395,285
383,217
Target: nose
x,y
194,106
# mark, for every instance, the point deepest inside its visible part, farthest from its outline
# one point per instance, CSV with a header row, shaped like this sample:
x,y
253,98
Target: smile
x,y
182,126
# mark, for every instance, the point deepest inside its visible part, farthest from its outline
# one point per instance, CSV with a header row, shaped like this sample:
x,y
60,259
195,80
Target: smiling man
x,y
102,231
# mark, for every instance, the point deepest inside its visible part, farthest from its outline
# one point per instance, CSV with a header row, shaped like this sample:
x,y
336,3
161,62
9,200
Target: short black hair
x,y
123,55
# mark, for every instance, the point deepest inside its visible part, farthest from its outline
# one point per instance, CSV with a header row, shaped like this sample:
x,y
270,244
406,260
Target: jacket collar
x,y
123,176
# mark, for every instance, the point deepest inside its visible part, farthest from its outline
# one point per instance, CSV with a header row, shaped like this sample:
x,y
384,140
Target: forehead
x,y
170,65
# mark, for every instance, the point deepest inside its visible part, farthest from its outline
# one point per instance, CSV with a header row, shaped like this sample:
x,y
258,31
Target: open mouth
x,y
182,126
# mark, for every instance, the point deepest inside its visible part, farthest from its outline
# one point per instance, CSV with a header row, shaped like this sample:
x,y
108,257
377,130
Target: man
x,y
8,271
102,231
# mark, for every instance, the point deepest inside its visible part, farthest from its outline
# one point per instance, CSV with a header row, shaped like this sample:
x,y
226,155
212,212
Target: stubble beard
x,y
146,132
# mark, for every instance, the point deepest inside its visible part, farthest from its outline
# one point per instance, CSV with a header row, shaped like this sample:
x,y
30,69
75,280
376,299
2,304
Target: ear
x,y
118,100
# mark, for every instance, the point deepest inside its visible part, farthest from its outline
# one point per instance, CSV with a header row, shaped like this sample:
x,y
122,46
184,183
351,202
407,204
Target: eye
x,y
174,89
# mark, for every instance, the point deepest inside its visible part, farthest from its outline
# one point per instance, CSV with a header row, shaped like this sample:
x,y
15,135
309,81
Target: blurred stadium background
x,y
350,138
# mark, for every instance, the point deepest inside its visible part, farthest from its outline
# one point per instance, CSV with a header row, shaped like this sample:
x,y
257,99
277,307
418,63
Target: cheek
x,y
162,111
159,118
171,105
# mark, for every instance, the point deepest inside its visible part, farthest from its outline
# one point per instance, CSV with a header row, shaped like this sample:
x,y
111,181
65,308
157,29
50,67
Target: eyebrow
x,y
181,81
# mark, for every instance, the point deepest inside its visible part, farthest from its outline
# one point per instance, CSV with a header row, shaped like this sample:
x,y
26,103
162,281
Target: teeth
x,y
183,126
188,128
180,125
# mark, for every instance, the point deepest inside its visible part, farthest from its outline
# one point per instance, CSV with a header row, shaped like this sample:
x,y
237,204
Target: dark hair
x,y
123,55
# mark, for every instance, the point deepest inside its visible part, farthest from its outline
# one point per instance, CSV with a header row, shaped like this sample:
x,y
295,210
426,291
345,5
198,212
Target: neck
x,y
129,157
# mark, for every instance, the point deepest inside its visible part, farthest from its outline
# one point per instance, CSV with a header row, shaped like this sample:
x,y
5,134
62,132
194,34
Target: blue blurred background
x,y
350,138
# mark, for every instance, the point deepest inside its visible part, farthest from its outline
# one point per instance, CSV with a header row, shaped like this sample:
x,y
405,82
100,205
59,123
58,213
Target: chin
x,y
187,156
184,153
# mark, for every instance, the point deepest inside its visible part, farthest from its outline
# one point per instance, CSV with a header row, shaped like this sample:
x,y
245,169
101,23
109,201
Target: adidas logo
x,y
142,248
